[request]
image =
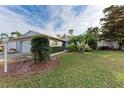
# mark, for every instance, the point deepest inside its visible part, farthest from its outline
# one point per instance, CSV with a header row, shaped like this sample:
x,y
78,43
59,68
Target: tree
x,y
3,35
113,24
92,36
64,36
40,49
18,34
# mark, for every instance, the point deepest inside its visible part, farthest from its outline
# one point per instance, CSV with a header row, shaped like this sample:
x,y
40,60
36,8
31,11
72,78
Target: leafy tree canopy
x,y
113,24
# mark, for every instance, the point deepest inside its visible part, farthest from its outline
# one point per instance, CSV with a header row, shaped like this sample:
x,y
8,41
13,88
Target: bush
x,y
56,49
92,42
76,44
71,48
40,49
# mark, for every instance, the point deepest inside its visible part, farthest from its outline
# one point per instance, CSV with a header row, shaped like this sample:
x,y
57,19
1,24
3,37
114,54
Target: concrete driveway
x,y
20,56
14,57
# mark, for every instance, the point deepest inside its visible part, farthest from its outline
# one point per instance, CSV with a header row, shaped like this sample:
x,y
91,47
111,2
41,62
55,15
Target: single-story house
x,y
23,44
110,44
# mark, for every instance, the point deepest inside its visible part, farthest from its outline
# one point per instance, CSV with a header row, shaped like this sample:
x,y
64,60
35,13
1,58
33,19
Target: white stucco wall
x,y
102,43
110,44
26,45
18,45
55,43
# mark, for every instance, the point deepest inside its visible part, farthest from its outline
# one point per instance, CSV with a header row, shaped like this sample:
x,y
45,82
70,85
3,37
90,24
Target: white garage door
x,y
26,46
11,45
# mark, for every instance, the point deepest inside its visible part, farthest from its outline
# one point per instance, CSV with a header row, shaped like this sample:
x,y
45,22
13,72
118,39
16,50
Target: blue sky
x,y
49,19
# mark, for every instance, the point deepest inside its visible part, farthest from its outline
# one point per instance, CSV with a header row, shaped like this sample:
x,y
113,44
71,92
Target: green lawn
x,y
89,69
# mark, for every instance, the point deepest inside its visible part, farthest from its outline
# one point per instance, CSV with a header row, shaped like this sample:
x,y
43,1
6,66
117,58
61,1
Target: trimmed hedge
x,y
56,49
40,49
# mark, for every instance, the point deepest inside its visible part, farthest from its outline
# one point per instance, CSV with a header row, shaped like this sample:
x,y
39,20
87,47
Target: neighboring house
x,y
23,44
111,44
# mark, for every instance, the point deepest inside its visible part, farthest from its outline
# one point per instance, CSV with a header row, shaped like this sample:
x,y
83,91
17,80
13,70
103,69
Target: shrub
x,y
56,49
71,48
76,44
40,49
92,42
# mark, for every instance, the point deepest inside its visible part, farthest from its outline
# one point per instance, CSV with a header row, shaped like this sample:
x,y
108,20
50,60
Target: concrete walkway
x,y
54,54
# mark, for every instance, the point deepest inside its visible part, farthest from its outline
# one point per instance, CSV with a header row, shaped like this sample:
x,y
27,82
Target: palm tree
x,y
3,35
18,34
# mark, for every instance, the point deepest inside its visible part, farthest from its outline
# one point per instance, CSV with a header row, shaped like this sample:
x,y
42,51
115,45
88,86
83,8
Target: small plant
x,y
40,49
71,48
1,50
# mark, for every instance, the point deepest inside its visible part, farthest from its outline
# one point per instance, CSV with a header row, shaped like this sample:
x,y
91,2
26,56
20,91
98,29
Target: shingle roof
x,y
25,37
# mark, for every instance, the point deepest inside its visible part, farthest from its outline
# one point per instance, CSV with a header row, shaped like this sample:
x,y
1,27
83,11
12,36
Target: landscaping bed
x,y
22,68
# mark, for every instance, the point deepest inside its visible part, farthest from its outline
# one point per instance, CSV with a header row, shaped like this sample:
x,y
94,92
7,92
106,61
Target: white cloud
x,y
10,21
89,17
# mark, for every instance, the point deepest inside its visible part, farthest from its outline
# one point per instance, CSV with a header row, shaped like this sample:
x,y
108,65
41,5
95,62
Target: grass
x,y
89,69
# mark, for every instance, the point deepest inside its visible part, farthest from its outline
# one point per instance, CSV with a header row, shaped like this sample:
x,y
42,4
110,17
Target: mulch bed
x,y
26,68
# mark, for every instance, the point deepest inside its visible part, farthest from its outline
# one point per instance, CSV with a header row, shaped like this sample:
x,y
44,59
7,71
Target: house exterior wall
x,y
26,46
23,44
18,46
55,43
109,44
123,48
11,44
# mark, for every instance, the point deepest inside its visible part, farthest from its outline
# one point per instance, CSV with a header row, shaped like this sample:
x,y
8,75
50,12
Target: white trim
x,y
55,54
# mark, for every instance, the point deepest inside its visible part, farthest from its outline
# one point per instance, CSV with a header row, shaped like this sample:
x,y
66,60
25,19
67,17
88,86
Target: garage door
x,y
26,46
11,45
